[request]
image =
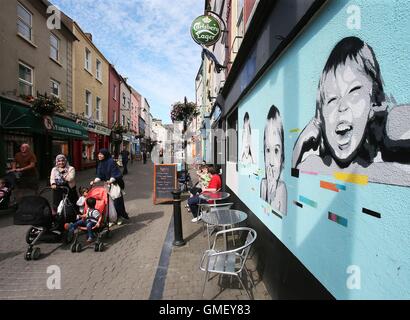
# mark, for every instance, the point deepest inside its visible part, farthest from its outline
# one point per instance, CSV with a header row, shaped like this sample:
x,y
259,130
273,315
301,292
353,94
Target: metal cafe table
x,y
214,196
223,218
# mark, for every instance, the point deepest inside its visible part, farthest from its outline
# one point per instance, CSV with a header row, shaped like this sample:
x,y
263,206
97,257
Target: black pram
x,y
36,212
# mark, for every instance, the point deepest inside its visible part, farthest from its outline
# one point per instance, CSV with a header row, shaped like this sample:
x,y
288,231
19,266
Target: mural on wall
x,y
273,188
354,129
247,155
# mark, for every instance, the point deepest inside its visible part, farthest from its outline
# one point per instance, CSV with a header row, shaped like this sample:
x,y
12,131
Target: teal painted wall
x,y
361,257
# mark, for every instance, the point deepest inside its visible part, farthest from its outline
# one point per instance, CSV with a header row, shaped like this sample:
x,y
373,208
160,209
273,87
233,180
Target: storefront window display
x,y
88,152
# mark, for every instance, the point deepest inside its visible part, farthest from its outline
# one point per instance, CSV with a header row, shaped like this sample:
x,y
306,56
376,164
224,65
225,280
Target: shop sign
x,y
93,127
206,30
67,130
126,138
48,123
216,114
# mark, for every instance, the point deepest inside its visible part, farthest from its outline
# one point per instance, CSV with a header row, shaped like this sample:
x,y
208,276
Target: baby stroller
x,y
105,207
7,202
185,181
36,211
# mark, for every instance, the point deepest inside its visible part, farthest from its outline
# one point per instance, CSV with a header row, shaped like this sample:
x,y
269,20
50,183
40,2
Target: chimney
x,y
89,36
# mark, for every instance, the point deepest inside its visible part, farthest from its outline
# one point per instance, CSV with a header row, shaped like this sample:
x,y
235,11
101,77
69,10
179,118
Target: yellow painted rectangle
x,y
352,178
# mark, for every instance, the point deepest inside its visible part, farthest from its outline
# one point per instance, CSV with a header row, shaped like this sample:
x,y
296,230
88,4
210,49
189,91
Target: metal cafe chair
x,y
230,262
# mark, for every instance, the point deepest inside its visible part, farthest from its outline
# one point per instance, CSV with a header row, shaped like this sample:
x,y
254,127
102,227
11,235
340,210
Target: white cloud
x,y
148,41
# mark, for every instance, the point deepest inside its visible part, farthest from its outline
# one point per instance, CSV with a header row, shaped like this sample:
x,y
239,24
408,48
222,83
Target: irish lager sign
x,y
206,30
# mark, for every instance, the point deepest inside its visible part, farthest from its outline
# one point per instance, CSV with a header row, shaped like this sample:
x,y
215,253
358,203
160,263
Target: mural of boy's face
x,y
346,109
273,152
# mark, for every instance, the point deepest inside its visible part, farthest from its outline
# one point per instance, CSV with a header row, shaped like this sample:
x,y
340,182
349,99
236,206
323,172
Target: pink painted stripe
x,y
310,172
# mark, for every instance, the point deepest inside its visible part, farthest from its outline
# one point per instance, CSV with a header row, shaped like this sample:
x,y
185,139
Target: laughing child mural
x,y
354,129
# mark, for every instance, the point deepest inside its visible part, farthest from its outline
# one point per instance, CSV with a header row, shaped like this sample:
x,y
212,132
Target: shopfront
x,y
98,137
47,136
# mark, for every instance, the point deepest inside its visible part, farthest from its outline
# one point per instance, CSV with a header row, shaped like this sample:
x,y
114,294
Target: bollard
x,y
178,237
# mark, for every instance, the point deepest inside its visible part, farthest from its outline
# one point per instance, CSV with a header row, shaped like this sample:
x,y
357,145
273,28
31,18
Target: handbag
x,y
115,191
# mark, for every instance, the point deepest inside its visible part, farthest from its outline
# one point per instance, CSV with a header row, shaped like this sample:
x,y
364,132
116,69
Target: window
x,y
129,104
88,106
99,71
98,109
114,116
24,22
25,79
232,137
115,93
54,47
128,124
87,65
123,99
55,88
123,120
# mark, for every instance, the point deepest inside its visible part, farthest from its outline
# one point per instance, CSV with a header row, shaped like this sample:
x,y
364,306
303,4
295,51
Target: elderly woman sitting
x,y
63,175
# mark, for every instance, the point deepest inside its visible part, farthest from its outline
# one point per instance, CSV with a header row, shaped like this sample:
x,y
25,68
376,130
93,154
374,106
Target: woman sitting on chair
x,y
214,185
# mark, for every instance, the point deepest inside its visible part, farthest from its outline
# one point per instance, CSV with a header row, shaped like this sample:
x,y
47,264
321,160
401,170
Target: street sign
x,y
206,30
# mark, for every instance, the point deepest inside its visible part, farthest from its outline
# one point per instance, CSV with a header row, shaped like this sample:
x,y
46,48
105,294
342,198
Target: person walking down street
x,y
124,158
144,157
109,172
24,166
63,175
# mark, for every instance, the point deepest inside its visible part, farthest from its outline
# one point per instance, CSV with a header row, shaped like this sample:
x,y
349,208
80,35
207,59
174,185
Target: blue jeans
x,y
84,223
193,204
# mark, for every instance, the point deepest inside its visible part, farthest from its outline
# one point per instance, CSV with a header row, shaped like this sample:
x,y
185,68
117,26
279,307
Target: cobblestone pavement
x,y
128,266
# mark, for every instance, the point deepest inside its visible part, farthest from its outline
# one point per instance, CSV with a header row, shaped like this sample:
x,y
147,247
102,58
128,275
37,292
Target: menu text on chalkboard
x,y
165,181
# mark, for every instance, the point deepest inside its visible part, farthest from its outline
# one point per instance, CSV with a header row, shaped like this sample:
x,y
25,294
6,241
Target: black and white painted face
x,y
273,153
346,109
246,137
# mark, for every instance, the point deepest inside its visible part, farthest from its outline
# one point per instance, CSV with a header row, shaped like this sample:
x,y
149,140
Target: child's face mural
x,y
246,137
273,153
346,109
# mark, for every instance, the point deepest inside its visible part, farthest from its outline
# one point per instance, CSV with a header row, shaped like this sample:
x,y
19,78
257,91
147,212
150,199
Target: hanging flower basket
x,y
45,105
119,129
184,111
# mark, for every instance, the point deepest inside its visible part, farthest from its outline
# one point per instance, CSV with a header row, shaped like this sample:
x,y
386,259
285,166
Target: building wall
x,y
113,101
136,110
343,215
35,54
85,80
125,106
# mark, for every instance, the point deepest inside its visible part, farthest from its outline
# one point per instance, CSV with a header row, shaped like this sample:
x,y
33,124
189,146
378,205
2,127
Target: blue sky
x,y
148,41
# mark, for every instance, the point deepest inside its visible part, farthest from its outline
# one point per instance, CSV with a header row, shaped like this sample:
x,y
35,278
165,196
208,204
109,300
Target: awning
x,y
67,128
14,116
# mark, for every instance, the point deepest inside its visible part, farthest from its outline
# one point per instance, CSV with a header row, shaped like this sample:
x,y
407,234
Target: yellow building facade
x,y
90,79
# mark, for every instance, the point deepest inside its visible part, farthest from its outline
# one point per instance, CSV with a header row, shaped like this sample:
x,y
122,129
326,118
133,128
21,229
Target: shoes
x,y
89,240
120,221
111,224
196,219
126,216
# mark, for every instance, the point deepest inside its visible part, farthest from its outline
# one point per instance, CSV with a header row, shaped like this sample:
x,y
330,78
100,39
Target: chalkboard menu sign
x,y
165,181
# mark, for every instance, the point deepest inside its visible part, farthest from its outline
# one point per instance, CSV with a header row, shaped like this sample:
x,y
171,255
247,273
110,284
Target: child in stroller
x,y
7,184
98,211
90,219
4,195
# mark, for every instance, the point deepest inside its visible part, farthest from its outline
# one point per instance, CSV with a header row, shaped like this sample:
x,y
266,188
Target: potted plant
x,y
44,105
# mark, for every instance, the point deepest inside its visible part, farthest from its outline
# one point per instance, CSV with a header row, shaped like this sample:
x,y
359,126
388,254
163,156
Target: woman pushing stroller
x,y
62,175
109,172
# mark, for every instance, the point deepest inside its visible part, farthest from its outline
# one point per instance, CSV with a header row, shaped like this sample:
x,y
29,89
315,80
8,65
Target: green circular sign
x,y
206,30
